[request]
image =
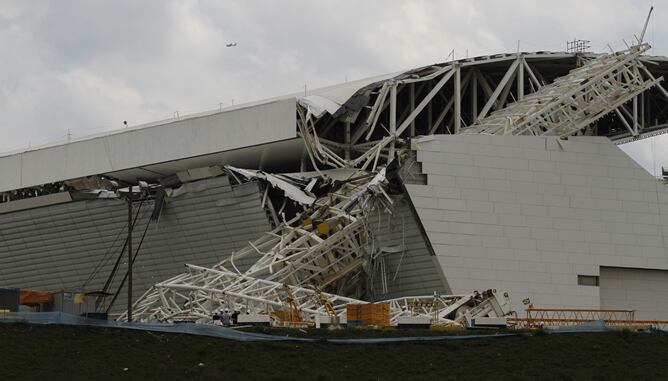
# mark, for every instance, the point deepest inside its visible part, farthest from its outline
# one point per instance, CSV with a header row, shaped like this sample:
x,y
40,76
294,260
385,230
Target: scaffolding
x,y
577,46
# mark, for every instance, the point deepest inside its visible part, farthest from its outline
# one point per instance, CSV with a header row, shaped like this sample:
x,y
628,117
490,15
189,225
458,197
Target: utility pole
x,y
130,254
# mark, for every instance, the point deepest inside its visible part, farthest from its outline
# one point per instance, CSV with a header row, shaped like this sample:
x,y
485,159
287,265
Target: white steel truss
x,y
458,309
200,292
317,248
329,241
514,98
572,102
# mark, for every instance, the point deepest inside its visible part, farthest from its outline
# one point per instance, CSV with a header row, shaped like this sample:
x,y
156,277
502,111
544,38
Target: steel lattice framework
x,y
602,84
572,102
318,247
559,317
299,259
200,291
329,241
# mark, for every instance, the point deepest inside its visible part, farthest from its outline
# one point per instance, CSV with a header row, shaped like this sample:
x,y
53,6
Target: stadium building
x,y
502,172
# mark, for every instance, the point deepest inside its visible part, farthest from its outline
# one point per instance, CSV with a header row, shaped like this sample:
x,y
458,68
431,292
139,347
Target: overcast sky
x,y
85,66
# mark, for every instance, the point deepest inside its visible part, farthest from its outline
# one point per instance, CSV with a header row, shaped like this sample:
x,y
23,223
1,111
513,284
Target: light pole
x,y
130,254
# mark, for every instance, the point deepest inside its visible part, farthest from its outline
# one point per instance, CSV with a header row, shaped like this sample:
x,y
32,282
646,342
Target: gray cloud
x,y
86,65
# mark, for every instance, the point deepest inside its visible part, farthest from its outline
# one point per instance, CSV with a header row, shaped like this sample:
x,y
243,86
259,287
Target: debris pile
x,y
311,265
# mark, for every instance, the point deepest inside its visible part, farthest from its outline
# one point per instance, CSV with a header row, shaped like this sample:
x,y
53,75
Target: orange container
x,y
353,311
370,314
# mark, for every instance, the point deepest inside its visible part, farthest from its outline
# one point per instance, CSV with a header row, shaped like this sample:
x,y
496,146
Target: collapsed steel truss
x,y
303,256
430,100
201,291
460,309
573,102
329,242
316,249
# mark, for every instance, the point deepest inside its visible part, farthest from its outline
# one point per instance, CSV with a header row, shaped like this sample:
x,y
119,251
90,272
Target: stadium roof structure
x,y
437,138
265,129
350,118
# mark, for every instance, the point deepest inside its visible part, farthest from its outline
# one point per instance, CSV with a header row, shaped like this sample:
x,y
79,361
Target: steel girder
x,y
573,102
315,250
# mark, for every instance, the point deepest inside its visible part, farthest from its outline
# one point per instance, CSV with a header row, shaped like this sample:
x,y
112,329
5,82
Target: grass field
x,y
86,353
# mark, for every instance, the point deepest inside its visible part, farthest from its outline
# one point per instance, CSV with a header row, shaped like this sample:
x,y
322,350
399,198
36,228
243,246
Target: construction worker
x,y
235,317
225,318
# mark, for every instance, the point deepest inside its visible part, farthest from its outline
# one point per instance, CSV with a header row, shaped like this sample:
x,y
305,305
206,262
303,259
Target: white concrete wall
x,y
61,246
528,214
645,291
141,146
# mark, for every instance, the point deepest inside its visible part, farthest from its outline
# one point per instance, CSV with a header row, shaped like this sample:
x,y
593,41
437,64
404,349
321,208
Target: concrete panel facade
x,y
146,145
645,291
413,271
530,214
75,245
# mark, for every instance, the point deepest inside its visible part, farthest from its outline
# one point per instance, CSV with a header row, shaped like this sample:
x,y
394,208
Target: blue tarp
x,y
593,326
390,340
193,329
232,334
